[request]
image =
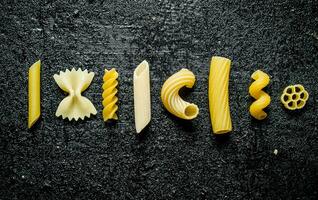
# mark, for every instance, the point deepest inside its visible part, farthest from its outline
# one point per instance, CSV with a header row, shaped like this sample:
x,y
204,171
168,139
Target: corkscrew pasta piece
x,y
109,95
142,96
219,95
170,95
262,98
74,106
294,97
34,93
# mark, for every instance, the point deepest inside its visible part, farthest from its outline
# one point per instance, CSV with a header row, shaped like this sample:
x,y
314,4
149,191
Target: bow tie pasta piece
x,y
74,106
294,97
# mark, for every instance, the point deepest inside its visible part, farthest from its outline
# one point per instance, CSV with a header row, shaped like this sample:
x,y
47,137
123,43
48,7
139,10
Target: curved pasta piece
x,y
74,106
34,93
170,95
262,98
109,95
142,104
219,95
294,97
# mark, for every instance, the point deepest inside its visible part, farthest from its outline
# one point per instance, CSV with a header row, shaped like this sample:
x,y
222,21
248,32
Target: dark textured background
x,y
89,159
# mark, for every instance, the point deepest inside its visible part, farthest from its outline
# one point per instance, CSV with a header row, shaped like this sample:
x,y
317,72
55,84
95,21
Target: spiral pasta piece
x,y
294,97
262,98
109,94
170,95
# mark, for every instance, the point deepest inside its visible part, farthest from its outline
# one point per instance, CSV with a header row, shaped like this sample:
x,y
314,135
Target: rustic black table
x,y
172,159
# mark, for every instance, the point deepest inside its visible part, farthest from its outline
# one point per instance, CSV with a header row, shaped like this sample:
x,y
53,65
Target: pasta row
x,y
34,93
219,95
171,98
142,103
294,97
262,98
74,106
109,95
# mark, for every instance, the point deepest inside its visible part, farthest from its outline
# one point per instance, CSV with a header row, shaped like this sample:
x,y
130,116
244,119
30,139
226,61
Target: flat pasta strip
x,y
294,97
219,95
262,98
109,95
74,106
34,93
142,103
170,95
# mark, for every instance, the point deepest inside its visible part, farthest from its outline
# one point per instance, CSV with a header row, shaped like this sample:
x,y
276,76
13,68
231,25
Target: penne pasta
x,y
34,93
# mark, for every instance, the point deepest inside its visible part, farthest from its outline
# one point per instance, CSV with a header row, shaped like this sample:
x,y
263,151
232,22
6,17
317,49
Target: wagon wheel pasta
x,y
170,95
109,95
294,97
34,93
74,106
262,98
142,96
219,95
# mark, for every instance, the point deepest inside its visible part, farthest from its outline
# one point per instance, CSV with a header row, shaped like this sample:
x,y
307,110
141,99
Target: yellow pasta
x,y
142,104
34,93
109,95
262,98
170,95
74,106
219,95
294,97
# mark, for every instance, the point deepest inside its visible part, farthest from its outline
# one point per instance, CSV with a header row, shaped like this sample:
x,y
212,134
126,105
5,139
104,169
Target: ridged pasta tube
x,y
262,98
34,93
142,104
170,95
219,95
109,95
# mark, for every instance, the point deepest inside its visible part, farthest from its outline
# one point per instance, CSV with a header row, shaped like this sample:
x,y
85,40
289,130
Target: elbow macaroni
x,y
219,95
294,97
170,95
262,98
34,93
109,95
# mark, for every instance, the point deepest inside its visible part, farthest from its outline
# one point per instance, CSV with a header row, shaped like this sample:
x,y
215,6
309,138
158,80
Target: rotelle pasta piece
x,y
262,98
109,95
34,93
219,95
170,95
294,97
142,103
74,106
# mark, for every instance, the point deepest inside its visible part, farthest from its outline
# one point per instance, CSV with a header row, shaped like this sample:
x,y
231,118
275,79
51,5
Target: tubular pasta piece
x,y
170,95
262,98
109,95
142,96
34,93
219,95
74,106
294,97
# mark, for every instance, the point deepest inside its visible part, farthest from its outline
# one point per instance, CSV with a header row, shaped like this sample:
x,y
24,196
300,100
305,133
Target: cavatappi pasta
x,y
34,93
109,95
170,95
74,106
294,97
262,98
219,95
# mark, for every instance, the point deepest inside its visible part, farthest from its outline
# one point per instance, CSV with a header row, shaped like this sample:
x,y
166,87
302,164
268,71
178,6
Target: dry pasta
x,y
262,98
142,104
219,95
109,95
294,97
74,106
34,93
171,98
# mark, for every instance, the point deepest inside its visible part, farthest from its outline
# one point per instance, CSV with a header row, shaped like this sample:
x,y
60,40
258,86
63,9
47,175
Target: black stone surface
x,y
172,159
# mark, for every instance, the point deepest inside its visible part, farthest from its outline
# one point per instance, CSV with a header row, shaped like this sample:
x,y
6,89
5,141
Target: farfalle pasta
x,y
109,95
294,97
34,93
262,98
170,95
74,106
